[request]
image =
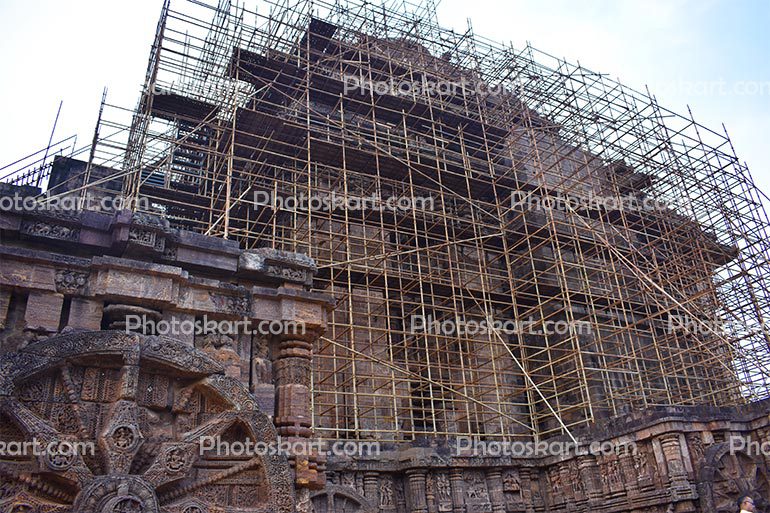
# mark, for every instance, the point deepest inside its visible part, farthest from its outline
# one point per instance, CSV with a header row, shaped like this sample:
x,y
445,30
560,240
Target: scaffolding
x,y
467,184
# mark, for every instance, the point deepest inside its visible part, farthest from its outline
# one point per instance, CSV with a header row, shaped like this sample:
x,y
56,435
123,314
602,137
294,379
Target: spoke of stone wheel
x,y
194,436
49,488
74,399
38,428
185,490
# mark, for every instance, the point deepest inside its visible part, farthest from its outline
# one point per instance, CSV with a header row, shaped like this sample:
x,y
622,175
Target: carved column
x,y
371,487
416,491
495,486
677,476
629,471
458,490
526,489
292,412
430,492
5,301
670,445
589,470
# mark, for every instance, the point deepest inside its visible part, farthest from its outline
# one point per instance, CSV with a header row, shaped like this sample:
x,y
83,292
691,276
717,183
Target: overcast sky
x,y
710,54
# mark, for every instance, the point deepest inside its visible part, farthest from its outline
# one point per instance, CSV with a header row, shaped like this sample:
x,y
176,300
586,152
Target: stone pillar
x,y
589,470
372,487
526,489
416,491
672,452
681,489
292,409
458,490
5,301
430,493
628,469
495,486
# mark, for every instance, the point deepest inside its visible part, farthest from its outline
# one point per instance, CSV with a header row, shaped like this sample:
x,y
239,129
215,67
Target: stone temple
x,y
485,280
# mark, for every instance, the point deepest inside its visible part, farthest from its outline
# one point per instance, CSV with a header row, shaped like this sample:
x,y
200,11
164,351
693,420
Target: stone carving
x,y
287,273
578,487
70,282
217,341
348,480
386,493
511,481
235,305
280,265
476,493
176,459
170,253
443,492
223,349
149,457
695,446
59,460
195,508
293,371
147,238
261,364
555,478
49,230
151,220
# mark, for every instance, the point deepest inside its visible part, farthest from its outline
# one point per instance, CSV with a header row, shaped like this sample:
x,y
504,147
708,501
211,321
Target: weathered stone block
x,y
85,314
265,397
5,301
43,311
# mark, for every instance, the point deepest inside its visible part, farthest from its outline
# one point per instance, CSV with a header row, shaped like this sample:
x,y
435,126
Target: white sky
x,y
708,54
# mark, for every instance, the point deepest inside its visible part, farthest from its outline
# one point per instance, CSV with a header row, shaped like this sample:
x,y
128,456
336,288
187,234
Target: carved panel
x,y
50,230
69,281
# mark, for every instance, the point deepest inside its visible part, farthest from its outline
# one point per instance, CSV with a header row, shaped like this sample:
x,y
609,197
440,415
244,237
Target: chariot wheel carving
x,y
726,477
109,422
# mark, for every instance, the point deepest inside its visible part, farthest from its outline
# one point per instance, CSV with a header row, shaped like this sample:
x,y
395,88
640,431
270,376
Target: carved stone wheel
x,y
727,477
146,406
